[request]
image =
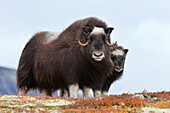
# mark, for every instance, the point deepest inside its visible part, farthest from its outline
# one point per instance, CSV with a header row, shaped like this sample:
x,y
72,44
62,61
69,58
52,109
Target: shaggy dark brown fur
x,y
63,61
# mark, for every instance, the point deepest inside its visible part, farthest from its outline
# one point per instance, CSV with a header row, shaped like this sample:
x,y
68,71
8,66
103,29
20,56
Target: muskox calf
x,y
79,57
118,57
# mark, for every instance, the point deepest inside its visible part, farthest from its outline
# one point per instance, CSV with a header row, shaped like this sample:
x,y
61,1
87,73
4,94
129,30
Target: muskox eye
x,y
91,38
121,58
113,58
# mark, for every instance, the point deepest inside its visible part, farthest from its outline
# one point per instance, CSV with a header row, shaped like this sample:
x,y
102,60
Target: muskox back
x,y
25,75
63,62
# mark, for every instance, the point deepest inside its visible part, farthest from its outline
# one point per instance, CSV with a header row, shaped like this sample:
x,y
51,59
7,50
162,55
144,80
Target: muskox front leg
x,y
73,90
105,89
86,92
104,93
97,93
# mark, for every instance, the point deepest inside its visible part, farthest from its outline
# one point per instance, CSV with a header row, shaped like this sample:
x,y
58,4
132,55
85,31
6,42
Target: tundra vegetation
x,y
124,103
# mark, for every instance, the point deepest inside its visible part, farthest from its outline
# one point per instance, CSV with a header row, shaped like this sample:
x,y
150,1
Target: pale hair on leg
x,y
63,92
86,92
97,93
43,93
23,91
104,93
73,90
60,92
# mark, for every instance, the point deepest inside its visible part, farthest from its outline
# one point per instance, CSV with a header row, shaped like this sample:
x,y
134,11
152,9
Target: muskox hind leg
x,y
63,92
23,91
73,90
46,92
60,92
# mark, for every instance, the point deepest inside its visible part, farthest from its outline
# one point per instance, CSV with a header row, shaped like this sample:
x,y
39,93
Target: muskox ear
x,y
108,31
126,50
86,30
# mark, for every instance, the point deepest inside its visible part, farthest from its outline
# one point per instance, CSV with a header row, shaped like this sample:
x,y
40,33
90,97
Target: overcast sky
x,y
142,26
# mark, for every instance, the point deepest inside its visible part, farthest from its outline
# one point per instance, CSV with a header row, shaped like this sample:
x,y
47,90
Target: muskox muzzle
x,y
118,69
98,55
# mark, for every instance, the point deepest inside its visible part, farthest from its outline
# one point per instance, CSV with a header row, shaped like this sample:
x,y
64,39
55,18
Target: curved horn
x,y
83,44
111,45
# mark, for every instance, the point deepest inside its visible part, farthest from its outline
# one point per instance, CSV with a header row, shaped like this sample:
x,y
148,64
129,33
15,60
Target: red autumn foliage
x,y
109,104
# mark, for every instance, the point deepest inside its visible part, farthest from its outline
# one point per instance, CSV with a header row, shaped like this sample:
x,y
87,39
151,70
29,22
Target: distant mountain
x,y
8,83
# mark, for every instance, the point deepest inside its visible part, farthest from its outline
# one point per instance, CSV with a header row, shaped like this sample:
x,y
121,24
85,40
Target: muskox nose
x,y
118,68
98,54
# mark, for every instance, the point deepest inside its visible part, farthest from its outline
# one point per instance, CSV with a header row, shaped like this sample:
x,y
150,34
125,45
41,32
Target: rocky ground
x,y
126,103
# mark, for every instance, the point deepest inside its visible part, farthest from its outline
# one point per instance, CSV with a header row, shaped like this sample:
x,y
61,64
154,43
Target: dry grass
x,y
125,103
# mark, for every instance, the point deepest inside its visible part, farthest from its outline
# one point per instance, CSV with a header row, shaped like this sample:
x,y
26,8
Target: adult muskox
x,y
80,56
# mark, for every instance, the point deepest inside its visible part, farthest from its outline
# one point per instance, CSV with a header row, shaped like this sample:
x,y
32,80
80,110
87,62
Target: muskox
x,y
79,57
118,56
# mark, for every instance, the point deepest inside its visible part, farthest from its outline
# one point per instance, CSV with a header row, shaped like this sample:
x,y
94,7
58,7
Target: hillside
x,y
7,81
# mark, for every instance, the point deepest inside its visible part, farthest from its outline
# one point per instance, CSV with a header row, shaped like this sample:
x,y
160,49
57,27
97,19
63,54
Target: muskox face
x,y
97,42
118,56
